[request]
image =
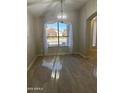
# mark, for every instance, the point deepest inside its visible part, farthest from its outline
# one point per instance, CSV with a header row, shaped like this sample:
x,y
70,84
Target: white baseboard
x,y
52,54
66,53
40,55
32,62
84,56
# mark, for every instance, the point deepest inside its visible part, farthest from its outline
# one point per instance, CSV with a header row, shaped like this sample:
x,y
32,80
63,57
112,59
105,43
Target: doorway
x,y
92,36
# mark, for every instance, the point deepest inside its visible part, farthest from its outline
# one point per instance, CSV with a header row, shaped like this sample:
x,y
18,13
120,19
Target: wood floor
x,y
62,74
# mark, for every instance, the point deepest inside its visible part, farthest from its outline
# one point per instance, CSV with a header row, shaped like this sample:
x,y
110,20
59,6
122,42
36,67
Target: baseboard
x,y
32,62
40,55
52,54
84,56
77,53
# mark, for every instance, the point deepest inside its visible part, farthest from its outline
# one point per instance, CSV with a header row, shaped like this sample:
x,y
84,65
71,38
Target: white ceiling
x,y
40,7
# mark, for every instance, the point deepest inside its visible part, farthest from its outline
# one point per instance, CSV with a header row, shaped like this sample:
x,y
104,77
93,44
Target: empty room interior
x,y
62,46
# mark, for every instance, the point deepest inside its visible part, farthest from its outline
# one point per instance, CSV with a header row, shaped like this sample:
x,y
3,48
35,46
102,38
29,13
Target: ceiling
x,y
40,7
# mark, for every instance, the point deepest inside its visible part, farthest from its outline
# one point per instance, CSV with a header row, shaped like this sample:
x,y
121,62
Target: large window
x,y
57,34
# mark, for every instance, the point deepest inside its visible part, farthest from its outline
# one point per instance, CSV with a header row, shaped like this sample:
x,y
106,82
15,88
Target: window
x,y
63,34
52,34
57,34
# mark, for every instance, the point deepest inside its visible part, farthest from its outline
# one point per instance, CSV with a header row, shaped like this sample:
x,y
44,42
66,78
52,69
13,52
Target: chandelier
x,y
61,16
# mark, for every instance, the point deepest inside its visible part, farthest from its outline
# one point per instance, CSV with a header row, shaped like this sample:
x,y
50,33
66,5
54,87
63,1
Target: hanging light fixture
x,y
61,16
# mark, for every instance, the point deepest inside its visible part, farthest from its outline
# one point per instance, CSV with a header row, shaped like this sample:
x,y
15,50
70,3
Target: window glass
x,y
63,41
52,41
62,29
55,37
52,29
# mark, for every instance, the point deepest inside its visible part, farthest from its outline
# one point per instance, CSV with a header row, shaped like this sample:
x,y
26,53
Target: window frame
x,y
58,37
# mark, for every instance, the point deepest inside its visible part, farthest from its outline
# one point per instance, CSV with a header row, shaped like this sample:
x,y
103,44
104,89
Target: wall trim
x,y
40,55
66,53
52,54
84,56
32,62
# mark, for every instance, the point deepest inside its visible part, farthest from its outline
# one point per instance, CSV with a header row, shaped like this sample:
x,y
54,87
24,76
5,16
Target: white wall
x,y
39,35
86,11
31,45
